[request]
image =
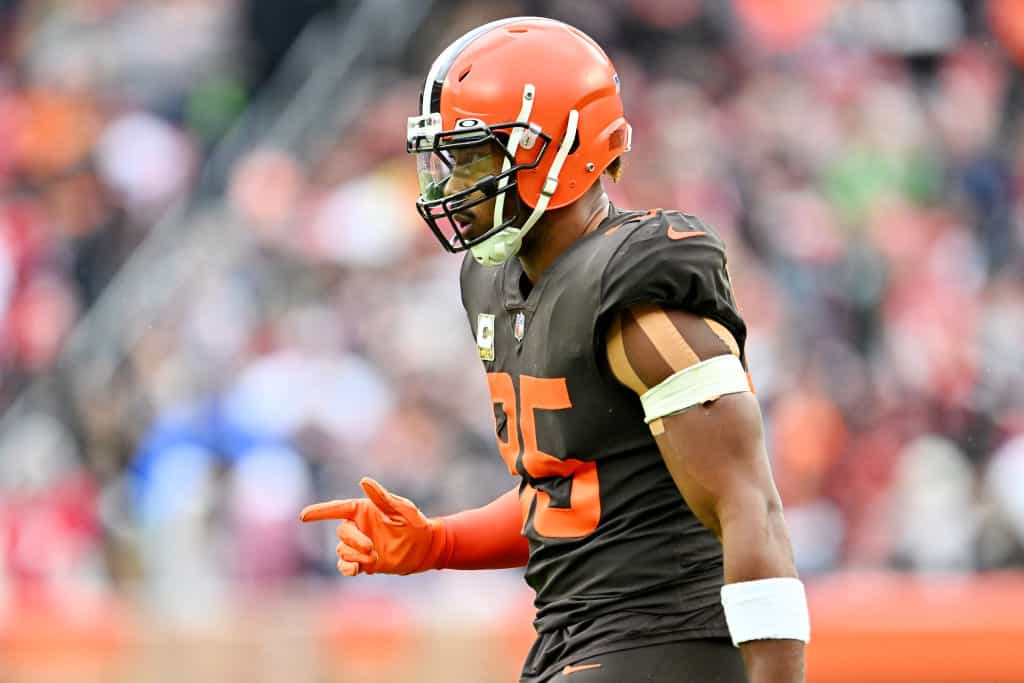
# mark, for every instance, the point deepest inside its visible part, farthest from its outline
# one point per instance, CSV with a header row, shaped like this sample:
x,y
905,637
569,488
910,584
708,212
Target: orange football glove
x,y
382,533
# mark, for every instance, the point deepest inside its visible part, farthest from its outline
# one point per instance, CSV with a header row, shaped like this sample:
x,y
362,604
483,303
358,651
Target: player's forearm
x,y
489,537
755,541
756,546
774,661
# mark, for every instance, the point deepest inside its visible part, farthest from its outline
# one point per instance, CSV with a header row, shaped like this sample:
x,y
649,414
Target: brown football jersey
x,y
616,558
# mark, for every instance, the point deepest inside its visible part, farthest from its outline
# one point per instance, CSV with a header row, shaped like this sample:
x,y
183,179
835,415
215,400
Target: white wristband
x,y
766,609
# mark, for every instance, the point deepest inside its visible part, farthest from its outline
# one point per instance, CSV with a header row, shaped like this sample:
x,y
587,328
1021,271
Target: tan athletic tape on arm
x,y
619,362
667,340
693,380
725,335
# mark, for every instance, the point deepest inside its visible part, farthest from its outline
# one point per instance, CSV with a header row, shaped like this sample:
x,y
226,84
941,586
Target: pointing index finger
x,y
332,509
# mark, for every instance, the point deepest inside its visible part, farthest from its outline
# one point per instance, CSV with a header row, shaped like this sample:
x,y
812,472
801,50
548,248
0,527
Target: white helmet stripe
x,y
513,147
439,69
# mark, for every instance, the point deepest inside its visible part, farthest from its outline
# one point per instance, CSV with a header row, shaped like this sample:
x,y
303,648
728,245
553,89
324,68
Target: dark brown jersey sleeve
x,y
675,261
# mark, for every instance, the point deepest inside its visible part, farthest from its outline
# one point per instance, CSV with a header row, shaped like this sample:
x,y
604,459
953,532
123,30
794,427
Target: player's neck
x,y
559,229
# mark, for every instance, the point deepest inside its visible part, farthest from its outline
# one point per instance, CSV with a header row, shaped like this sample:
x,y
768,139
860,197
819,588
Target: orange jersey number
x,y
536,393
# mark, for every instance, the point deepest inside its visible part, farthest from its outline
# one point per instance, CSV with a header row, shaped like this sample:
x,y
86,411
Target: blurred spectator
x,y
933,508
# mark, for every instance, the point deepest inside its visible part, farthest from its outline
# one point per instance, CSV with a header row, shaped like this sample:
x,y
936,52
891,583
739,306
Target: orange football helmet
x,y
547,95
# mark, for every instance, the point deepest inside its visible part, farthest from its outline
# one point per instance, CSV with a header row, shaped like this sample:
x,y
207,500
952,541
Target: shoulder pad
x,y
672,259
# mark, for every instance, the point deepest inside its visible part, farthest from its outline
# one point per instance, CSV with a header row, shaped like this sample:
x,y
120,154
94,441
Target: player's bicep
x,y
720,456
647,344
715,453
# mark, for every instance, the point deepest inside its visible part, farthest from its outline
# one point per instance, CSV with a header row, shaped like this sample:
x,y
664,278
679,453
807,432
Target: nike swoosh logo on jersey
x,y
570,669
674,234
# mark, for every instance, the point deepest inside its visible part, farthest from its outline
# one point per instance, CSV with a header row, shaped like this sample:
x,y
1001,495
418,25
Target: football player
x,y
645,511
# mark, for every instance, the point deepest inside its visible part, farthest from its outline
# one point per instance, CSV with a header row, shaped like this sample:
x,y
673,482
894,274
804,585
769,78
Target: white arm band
x,y
766,609
698,383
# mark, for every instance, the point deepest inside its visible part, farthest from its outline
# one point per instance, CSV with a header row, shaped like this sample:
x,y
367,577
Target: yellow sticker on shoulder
x,y
485,336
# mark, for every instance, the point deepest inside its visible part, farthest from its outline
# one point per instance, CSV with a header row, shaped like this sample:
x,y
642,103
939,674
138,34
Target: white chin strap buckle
x,y
498,248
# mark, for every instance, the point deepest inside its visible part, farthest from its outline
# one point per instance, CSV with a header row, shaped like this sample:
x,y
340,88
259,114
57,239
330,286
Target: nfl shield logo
x,y
519,326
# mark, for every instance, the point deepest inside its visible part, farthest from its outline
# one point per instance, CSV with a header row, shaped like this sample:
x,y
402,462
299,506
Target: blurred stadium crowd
x,y
861,159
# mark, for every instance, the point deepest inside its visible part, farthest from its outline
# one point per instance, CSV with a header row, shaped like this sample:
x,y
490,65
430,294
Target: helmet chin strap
x,y
505,244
